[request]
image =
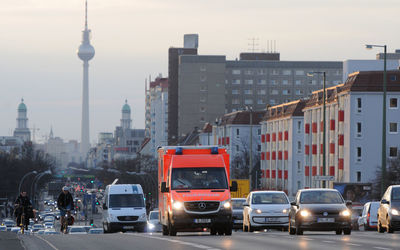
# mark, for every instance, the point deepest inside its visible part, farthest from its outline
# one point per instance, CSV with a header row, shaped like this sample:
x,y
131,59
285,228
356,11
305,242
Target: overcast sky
x,y
39,39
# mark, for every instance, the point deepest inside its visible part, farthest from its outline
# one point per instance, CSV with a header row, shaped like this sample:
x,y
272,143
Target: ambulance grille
x,y
202,206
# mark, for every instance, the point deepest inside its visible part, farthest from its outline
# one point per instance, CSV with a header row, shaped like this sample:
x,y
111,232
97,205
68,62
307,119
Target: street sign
x,y
324,178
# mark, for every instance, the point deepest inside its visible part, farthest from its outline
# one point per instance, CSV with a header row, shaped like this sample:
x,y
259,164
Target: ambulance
x,y
194,191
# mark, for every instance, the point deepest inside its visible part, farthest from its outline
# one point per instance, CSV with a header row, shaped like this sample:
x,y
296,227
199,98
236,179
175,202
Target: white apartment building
x,y
158,103
282,136
353,128
350,66
234,131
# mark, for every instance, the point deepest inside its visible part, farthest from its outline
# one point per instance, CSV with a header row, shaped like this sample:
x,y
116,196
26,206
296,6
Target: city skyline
x,y
40,64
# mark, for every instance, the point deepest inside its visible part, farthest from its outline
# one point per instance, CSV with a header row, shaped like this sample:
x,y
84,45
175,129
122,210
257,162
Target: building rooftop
x,y
289,109
242,117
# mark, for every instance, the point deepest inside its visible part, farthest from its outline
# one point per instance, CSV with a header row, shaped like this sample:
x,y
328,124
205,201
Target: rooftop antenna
x,y
86,15
253,43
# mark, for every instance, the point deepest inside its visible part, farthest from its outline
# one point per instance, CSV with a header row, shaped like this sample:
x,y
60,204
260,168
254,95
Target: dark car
x,y
389,210
237,212
319,210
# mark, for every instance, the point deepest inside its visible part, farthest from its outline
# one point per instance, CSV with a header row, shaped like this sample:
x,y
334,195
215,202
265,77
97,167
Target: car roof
x,y
318,189
267,191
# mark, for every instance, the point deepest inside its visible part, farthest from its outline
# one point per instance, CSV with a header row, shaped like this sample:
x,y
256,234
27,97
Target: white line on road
x,y
352,244
306,238
51,245
382,248
328,241
176,241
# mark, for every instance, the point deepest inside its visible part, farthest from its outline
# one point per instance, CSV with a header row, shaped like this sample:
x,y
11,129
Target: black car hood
x,y
320,208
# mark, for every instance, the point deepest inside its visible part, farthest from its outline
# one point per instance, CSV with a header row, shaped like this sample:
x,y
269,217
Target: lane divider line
x,y
51,245
176,241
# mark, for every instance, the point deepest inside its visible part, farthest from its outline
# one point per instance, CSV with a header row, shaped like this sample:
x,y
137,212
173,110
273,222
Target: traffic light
x,y
91,222
92,181
97,202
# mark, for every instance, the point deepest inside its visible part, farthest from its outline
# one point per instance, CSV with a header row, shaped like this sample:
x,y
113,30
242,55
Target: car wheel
x,y
380,228
389,228
299,231
347,231
165,230
171,229
228,230
339,231
213,231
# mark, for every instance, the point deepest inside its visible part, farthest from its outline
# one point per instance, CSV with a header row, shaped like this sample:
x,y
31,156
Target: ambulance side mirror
x,y
164,188
234,186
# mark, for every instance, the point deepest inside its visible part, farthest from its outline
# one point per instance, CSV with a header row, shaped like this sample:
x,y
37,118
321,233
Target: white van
x,y
124,208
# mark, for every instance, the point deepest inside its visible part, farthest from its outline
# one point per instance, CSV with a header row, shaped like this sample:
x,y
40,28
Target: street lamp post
x,y
251,147
383,167
34,184
23,178
324,123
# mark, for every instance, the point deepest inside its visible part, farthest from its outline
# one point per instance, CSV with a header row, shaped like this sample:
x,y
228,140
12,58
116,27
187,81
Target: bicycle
x,y
22,222
64,223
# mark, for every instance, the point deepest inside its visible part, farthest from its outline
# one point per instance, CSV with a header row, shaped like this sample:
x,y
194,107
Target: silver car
x,y
369,217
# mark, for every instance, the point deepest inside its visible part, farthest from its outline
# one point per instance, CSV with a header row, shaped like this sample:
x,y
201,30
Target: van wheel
x,y
213,231
299,231
165,230
347,231
171,229
228,230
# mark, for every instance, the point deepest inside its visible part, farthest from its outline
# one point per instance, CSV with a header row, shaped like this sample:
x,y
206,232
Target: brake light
x,y
368,215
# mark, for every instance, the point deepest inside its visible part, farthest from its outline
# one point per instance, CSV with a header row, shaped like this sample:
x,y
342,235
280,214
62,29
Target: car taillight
x,y
368,215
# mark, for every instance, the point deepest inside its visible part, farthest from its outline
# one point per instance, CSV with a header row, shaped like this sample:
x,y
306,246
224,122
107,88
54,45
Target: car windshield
x,y
199,178
269,198
396,193
321,197
238,204
126,200
153,216
77,229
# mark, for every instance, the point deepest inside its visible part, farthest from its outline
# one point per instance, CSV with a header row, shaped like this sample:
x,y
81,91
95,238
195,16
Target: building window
x,y
275,72
202,109
235,92
236,72
393,127
248,72
203,68
259,131
298,184
236,81
274,92
203,88
248,82
203,78
248,101
260,101
259,148
298,167
393,77
286,72
359,129
299,147
299,127
299,92
393,152
299,72
248,92
298,82
285,82
262,71
235,101
358,176
359,105
272,82
393,103
261,92
262,82
313,82
272,101
237,133
286,92
237,147
359,155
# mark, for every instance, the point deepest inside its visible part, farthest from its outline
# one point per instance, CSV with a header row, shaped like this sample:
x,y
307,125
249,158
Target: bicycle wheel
x,y
22,223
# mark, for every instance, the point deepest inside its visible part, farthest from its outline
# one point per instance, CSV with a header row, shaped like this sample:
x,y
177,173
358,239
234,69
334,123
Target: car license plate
x,y
326,220
128,227
271,219
202,220
238,221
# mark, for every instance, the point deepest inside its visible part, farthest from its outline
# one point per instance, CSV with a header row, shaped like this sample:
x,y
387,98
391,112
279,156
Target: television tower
x,y
85,53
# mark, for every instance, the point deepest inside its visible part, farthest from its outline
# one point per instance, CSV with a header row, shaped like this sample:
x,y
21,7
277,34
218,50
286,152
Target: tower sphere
x,y
85,51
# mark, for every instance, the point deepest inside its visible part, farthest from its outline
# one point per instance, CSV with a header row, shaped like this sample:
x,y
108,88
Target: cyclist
x,y
23,205
65,203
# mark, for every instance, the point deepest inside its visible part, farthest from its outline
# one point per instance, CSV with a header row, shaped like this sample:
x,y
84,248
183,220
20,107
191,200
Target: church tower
x,y
126,116
22,129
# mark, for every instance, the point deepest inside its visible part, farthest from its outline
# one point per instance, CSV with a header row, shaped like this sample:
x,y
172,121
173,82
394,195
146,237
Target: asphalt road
x,y
239,240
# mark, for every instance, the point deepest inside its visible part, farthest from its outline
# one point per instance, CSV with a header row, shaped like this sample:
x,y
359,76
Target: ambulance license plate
x,y
202,220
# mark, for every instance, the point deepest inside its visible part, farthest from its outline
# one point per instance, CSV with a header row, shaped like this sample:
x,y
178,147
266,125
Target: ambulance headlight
x,y
177,205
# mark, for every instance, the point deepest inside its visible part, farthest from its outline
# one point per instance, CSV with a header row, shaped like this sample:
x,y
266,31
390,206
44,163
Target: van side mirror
x,y
385,202
293,203
104,206
164,188
234,186
349,203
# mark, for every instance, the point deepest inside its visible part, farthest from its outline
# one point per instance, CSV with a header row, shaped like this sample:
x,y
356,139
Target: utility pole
x,y
251,147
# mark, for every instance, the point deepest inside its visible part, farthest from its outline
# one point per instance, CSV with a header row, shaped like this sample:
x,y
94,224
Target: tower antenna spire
x,y
86,26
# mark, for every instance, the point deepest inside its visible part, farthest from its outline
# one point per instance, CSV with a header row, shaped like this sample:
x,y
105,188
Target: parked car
x,y
319,210
48,225
3,228
50,231
265,209
9,223
15,229
76,230
96,231
389,210
369,216
237,212
153,222
37,227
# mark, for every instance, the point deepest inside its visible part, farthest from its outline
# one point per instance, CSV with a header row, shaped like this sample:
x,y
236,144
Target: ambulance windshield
x,y
199,178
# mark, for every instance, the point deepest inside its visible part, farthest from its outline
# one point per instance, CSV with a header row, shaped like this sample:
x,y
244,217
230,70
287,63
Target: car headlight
x,y
345,213
305,213
177,205
285,211
226,204
151,226
258,211
394,211
143,216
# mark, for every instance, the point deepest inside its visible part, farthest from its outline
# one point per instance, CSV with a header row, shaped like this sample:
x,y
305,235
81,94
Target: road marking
x,y
382,248
176,241
328,241
306,238
51,245
352,244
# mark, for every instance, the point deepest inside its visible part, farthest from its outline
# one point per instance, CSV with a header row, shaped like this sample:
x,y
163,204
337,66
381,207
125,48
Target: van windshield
x,y
199,178
126,200
396,193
